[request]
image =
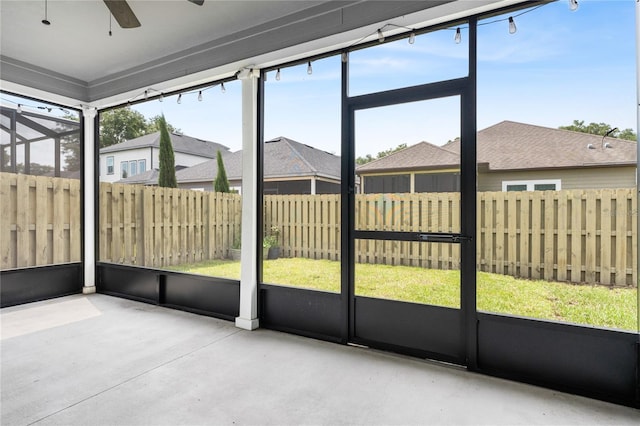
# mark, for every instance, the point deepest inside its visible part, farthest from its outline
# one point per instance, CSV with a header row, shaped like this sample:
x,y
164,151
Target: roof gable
x,y
418,156
282,158
180,143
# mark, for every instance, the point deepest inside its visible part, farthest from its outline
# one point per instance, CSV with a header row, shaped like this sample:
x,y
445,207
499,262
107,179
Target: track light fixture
x,y
512,26
573,5
278,75
309,69
45,21
458,37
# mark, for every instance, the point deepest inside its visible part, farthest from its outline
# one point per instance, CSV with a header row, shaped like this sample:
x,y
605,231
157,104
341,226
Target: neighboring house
x,y
511,157
141,155
290,167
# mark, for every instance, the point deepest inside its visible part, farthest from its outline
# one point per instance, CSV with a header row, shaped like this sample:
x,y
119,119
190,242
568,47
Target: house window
x,y
142,166
532,185
133,168
437,182
109,165
124,169
387,184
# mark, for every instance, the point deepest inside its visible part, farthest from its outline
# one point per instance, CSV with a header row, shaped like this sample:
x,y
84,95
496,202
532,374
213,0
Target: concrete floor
x,y
85,360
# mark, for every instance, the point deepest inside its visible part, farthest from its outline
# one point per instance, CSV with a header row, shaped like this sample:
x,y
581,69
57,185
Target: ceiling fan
x,y
125,17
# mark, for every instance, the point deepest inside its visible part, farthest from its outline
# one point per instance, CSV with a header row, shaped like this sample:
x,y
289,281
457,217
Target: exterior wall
x,y
208,186
118,157
151,155
592,178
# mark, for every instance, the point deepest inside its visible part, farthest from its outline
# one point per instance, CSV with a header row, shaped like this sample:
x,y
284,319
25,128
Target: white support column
x,y
248,318
313,185
89,275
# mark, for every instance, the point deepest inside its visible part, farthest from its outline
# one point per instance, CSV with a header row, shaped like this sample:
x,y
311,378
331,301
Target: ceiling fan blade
x,y
123,13
198,2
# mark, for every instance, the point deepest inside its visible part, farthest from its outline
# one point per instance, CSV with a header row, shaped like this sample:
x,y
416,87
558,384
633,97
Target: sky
x,y
558,67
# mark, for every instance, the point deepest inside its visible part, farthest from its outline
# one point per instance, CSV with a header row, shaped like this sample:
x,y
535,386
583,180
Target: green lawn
x,y
581,304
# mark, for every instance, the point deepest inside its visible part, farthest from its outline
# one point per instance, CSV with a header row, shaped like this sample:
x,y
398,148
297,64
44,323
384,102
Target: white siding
x,y
120,156
151,155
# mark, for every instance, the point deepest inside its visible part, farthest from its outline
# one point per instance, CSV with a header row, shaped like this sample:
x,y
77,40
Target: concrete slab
x,y
133,363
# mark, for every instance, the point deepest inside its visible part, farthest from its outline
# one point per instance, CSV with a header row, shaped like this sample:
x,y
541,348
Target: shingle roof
x,y
515,146
181,143
419,156
282,158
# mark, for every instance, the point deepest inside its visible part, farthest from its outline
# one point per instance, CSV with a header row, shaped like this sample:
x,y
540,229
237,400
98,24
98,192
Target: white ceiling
x,y
75,59
77,43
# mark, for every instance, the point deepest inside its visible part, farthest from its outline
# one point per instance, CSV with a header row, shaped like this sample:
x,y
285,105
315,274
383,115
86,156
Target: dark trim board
x,y
18,286
592,362
309,313
211,296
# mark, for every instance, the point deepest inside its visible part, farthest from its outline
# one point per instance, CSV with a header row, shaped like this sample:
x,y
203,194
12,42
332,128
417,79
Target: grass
x,y
581,304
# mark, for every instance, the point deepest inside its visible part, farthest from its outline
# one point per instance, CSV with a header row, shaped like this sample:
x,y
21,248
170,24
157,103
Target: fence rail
x,y
575,236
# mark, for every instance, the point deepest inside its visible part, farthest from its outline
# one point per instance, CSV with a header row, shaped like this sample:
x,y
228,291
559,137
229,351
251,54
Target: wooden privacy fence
x,y
156,227
40,220
575,235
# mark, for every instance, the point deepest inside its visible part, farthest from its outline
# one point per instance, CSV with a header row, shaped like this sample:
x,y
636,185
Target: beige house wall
x,y
591,178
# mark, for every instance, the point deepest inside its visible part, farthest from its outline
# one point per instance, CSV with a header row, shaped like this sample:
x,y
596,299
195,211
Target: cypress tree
x,y
221,184
167,175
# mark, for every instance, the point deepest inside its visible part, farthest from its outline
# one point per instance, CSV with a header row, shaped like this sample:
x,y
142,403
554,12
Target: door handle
x,y
443,238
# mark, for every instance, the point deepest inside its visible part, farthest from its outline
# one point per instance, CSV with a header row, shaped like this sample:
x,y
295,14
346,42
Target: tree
x,y
167,173
368,158
221,184
153,125
600,129
71,145
121,124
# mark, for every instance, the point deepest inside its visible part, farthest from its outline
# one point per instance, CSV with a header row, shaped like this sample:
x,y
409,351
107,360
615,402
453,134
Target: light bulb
x,y
19,109
458,37
512,26
309,69
278,75
146,95
412,37
380,36
573,5
180,98
222,88
200,96
161,98
345,56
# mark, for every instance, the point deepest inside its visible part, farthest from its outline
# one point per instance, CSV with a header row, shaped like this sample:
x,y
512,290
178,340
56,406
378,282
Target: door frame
x,y
465,88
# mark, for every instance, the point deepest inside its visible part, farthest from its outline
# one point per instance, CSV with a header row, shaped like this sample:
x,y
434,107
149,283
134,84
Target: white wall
x,y
118,157
151,155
